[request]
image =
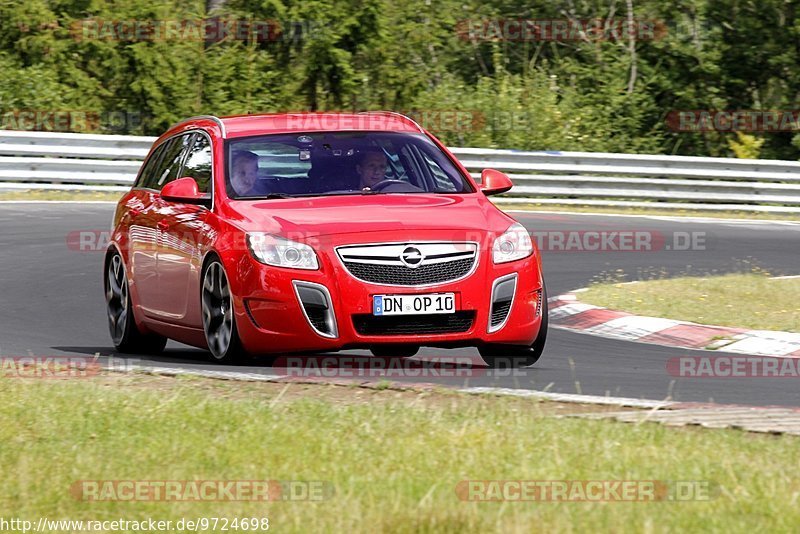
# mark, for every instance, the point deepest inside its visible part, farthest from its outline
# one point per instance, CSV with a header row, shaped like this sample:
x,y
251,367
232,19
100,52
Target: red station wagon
x,y
265,234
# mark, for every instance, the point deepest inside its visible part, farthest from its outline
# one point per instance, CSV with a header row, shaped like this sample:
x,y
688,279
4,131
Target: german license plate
x,y
414,304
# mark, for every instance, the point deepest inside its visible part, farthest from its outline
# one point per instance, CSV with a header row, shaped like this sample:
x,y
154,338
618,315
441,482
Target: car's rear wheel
x,y
394,351
125,334
499,356
219,323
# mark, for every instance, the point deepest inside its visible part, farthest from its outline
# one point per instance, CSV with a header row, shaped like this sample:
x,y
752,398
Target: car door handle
x,y
163,225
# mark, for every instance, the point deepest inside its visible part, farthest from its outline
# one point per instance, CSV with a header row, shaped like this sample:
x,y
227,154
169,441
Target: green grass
x,y
748,300
394,461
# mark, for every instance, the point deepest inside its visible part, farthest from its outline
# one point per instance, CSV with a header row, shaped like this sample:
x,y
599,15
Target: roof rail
x,y
395,114
207,117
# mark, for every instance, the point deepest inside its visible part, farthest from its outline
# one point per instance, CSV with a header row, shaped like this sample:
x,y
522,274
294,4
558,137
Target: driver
x,y
371,168
244,174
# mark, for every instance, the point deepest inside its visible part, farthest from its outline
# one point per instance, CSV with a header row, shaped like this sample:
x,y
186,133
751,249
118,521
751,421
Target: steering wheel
x,y
383,184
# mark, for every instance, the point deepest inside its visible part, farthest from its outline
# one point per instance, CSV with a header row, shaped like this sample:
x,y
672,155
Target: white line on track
x,y
207,373
568,397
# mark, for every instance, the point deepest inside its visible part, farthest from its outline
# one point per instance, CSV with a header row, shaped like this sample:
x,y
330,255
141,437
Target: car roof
x,y
273,123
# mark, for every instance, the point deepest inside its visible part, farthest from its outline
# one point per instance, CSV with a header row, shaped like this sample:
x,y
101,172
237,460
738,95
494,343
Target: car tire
x,y
499,356
219,319
126,336
394,351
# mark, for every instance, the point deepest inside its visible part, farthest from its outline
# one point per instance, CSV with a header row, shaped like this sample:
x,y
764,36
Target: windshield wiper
x,y
267,197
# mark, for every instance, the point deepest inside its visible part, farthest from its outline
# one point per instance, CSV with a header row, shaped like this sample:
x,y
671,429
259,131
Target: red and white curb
x,y
569,313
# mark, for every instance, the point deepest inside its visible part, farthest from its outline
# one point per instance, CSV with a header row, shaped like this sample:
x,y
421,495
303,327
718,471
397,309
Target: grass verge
x,y
748,300
394,458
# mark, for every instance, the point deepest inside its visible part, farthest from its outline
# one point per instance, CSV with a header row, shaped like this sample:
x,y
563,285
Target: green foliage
x,y
746,146
414,56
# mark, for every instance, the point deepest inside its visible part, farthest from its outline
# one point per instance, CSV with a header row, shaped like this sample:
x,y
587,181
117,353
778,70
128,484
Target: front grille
x,y
397,325
410,263
434,273
500,312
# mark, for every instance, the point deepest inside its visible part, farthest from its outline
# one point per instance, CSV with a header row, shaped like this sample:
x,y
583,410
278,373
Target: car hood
x,y
405,214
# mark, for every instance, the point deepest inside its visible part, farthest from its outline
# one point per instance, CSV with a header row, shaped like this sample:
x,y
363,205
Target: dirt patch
x,y
354,394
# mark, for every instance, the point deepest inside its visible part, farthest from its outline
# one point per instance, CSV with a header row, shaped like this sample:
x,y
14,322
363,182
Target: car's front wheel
x,y
515,356
125,334
219,323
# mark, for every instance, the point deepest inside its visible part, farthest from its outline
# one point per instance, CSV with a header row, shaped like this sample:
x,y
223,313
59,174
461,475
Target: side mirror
x,y
495,182
186,191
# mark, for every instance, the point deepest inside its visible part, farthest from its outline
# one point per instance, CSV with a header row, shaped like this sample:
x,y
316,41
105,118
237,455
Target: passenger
x,y
244,175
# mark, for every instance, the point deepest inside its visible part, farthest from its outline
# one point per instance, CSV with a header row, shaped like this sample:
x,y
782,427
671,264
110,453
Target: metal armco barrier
x,y
45,160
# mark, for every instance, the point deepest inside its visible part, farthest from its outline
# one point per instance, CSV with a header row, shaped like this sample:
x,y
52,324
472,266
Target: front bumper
x,y
271,319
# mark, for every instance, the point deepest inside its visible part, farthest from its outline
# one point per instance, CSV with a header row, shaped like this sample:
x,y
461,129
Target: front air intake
x,y
315,301
503,290
410,325
539,303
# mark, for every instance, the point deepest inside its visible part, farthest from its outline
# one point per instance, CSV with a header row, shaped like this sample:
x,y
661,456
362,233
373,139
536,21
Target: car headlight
x,y
274,250
514,244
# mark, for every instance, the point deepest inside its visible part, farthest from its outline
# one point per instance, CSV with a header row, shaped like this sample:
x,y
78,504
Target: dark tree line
x,y
416,56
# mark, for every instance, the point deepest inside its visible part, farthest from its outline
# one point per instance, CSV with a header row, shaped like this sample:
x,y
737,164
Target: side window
x,y
440,178
198,162
173,159
147,176
429,171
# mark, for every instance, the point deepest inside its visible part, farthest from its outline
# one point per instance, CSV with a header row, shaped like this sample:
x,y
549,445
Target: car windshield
x,y
339,163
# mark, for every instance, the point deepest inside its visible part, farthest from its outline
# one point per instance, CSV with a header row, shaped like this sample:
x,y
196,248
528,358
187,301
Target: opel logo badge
x,y
411,257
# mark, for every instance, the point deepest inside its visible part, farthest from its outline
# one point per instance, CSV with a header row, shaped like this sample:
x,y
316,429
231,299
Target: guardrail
x,y
39,160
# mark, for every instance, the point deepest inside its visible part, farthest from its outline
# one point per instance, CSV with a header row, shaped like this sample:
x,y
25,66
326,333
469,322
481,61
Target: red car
x,y
264,234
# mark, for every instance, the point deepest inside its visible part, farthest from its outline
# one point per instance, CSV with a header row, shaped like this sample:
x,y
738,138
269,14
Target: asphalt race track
x,y
51,300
